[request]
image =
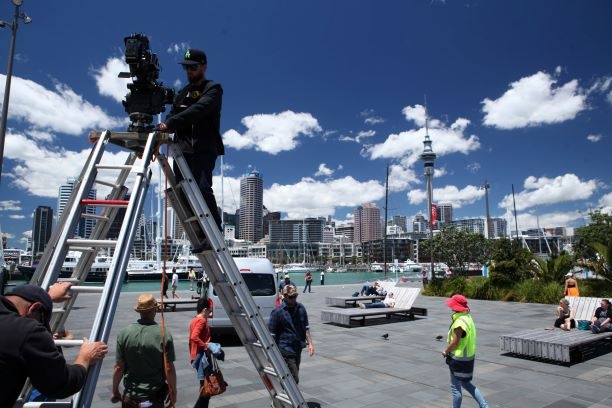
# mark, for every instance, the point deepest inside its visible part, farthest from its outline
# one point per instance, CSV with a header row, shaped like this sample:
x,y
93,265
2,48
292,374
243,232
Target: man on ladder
x,y
195,120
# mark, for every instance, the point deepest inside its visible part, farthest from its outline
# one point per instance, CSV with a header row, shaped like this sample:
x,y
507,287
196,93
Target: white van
x,y
260,278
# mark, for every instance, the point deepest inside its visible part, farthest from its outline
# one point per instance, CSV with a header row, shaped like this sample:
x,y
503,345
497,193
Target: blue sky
x,y
320,96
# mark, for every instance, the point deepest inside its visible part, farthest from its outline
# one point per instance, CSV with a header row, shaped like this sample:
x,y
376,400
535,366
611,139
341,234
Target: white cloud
x,y
547,191
605,203
10,205
60,110
108,81
370,118
314,198
41,169
324,171
448,194
401,177
534,101
439,172
594,138
177,48
25,235
530,220
473,167
272,133
360,136
17,216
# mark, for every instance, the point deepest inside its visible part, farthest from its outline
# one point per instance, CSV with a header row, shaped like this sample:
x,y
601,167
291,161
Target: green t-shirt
x,y
139,348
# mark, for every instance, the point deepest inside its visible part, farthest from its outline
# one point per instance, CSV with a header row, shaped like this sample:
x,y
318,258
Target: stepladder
x,y
127,193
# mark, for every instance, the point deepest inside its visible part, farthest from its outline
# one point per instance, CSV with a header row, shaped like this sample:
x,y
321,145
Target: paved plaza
x,y
355,367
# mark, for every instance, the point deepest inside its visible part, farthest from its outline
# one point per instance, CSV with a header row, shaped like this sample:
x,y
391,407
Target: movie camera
x,y
147,96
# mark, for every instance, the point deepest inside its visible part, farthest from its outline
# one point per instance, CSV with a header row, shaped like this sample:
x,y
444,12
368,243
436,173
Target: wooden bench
x,y
555,344
584,307
173,303
405,298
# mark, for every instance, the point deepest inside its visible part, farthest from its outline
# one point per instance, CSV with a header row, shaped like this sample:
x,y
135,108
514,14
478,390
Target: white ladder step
x,y
87,289
107,183
94,216
68,343
270,371
283,398
86,243
60,404
114,166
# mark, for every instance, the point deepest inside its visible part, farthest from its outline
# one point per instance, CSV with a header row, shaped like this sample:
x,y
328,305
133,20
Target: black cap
x,y
193,56
33,293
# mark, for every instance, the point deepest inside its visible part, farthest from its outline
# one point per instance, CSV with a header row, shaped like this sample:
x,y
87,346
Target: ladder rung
x,y
71,280
256,344
59,404
105,203
68,343
270,371
114,166
239,314
284,398
59,310
95,216
108,184
85,243
192,219
87,289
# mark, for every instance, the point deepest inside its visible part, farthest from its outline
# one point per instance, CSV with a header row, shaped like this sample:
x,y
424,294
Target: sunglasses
x,y
193,67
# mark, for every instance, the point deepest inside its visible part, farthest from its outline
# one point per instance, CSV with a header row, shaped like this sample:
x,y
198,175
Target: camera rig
x,y
147,96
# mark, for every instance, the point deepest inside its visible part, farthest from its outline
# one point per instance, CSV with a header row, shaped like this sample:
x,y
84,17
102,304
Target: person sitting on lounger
x,y
602,320
389,302
374,290
565,316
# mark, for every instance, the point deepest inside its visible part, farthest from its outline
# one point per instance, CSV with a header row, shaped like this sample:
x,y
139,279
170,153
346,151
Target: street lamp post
x,y
9,72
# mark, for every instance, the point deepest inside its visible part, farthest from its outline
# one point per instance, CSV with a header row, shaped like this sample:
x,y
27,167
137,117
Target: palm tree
x,y
601,264
552,269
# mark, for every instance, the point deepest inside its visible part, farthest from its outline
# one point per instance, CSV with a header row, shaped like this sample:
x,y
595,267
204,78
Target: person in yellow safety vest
x,y
461,351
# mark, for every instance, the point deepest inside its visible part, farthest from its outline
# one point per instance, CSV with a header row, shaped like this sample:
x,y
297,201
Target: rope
x,y
169,380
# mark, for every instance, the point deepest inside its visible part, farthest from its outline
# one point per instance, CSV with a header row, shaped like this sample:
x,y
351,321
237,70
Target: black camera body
x,y
147,96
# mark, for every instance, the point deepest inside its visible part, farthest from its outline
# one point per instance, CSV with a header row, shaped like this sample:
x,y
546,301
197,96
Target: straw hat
x,y
145,303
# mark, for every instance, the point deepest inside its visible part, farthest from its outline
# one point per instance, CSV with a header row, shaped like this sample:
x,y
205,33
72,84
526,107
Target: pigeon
x,y
385,336
438,337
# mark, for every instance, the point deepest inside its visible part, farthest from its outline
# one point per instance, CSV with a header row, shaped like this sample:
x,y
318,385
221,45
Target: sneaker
x,y
362,305
595,329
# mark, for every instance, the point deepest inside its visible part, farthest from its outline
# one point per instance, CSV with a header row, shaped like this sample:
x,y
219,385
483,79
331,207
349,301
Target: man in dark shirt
x,y
602,320
27,348
195,119
289,326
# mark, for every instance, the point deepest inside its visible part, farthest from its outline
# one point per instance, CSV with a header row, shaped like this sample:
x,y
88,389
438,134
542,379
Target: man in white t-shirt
x,y
174,283
389,302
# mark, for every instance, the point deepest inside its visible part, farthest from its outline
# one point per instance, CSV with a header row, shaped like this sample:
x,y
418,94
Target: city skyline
x,y
322,112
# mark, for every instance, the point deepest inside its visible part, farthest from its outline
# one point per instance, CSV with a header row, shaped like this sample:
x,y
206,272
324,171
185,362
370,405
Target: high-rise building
x,y
269,216
367,223
251,207
41,228
499,227
476,225
419,224
444,214
85,225
347,230
308,230
400,221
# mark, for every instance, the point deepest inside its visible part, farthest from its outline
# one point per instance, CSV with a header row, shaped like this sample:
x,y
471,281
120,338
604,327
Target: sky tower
x,y
428,157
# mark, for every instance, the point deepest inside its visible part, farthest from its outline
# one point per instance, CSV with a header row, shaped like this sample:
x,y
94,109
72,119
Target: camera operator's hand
x,y
162,128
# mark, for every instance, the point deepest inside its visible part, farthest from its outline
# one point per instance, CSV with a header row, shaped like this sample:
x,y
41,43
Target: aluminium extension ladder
x,y
203,233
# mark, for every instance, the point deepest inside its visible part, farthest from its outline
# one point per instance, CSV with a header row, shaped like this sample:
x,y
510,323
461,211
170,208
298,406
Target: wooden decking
x,y
556,344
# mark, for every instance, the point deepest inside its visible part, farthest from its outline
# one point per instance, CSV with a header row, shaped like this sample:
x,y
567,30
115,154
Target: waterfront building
x,y
267,217
251,207
400,221
347,230
475,225
41,228
419,224
366,219
306,231
444,214
499,227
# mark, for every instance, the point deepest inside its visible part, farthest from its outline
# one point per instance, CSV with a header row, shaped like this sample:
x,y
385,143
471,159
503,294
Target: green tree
x,y
510,262
603,259
598,231
456,248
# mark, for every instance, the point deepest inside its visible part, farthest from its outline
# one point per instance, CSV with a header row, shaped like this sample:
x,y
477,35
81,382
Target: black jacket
x,y
195,118
27,350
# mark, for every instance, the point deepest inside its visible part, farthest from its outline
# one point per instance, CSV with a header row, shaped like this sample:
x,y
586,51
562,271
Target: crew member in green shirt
x,y
140,361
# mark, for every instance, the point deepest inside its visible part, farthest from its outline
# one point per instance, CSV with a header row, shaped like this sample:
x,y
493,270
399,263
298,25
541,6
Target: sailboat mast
x,y
385,226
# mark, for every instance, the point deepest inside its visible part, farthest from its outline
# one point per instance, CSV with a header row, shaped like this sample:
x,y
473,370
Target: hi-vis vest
x,y
466,348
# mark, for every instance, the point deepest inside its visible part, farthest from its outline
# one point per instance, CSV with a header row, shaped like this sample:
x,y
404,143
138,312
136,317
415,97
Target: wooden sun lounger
x,y
584,307
346,301
405,298
556,344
